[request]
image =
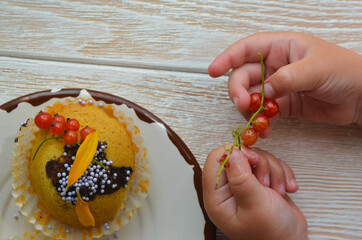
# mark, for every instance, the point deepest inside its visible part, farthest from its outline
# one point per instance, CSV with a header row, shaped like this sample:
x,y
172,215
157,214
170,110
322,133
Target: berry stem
x,y
100,163
41,144
237,133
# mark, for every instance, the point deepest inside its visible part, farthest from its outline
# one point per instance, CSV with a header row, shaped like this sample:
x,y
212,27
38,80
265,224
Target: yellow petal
x,y
84,214
83,158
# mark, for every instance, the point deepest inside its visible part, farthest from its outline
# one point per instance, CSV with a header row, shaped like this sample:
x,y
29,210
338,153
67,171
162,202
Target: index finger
x,y
245,51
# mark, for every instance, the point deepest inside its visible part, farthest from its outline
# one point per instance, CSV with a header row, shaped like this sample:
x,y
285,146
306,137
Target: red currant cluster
x,y
262,110
260,122
58,125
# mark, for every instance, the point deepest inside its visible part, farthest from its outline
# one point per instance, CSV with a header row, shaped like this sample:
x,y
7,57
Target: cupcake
x,y
80,169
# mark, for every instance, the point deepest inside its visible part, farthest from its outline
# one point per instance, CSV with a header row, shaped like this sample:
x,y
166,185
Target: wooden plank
x,y
171,34
325,158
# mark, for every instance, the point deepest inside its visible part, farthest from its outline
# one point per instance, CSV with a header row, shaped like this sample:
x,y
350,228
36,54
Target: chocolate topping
x,y
100,178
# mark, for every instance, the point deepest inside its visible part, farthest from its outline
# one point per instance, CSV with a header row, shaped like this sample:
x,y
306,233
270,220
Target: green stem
x,y
237,133
41,144
262,79
101,164
262,94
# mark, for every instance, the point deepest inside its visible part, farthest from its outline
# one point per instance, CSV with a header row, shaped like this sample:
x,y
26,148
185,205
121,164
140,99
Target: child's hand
x,y
252,206
311,78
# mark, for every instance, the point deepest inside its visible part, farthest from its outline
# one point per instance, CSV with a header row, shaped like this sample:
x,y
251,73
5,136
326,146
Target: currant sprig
x,y
41,144
247,135
62,128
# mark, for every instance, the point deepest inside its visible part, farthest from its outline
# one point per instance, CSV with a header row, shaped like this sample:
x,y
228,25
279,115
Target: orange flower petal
x,y
84,214
83,158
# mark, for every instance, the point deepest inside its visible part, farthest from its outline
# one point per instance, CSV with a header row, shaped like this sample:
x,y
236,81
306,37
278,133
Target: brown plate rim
x,y
37,98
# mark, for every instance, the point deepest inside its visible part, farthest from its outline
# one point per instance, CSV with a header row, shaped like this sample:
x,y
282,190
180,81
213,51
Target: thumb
x,y
243,184
295,77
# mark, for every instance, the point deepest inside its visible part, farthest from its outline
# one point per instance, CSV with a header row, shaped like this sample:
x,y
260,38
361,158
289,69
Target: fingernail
x,y
266,180
234,157
253,156
293,183
269,91
282,189
236,101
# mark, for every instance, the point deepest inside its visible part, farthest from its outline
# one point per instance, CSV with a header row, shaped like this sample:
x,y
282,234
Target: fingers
x,y
240,80
295,77
249,171
262,170
277,174
274,46
274,173
209,176
243,51
218,202
266,133
244,186
212,166
291,185
252,157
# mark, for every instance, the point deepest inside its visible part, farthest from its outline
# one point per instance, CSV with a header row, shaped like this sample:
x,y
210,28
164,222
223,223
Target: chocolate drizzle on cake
x,y
100,178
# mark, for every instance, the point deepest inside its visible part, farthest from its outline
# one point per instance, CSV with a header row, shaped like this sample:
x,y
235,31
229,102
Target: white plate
x,y
174,207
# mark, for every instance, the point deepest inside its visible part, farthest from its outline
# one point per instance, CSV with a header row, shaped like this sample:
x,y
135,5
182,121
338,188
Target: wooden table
x,y
156,54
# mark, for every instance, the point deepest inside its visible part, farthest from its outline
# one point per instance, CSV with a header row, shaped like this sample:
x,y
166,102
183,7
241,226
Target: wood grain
x,y
172,34
326,158
156,53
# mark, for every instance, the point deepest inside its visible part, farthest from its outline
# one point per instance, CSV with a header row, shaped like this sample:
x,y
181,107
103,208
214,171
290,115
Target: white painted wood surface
x,y
173,34
155,53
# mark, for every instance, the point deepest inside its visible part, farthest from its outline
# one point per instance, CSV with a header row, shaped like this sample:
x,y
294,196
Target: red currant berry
x,y
222,159
72,124
85,131
249,137
43,120
58,118
70,137
255,100
260,123
57,127
271,108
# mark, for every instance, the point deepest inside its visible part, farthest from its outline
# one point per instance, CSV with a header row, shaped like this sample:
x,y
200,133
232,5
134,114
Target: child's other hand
x,y
274,173
252,206
310,78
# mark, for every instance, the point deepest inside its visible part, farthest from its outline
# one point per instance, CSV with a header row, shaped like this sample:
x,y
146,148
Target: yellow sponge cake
x,y
76,164
118,150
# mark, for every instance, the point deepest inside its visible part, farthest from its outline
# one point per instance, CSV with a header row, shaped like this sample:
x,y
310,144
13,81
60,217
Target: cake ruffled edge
x,y
36,235
27,200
